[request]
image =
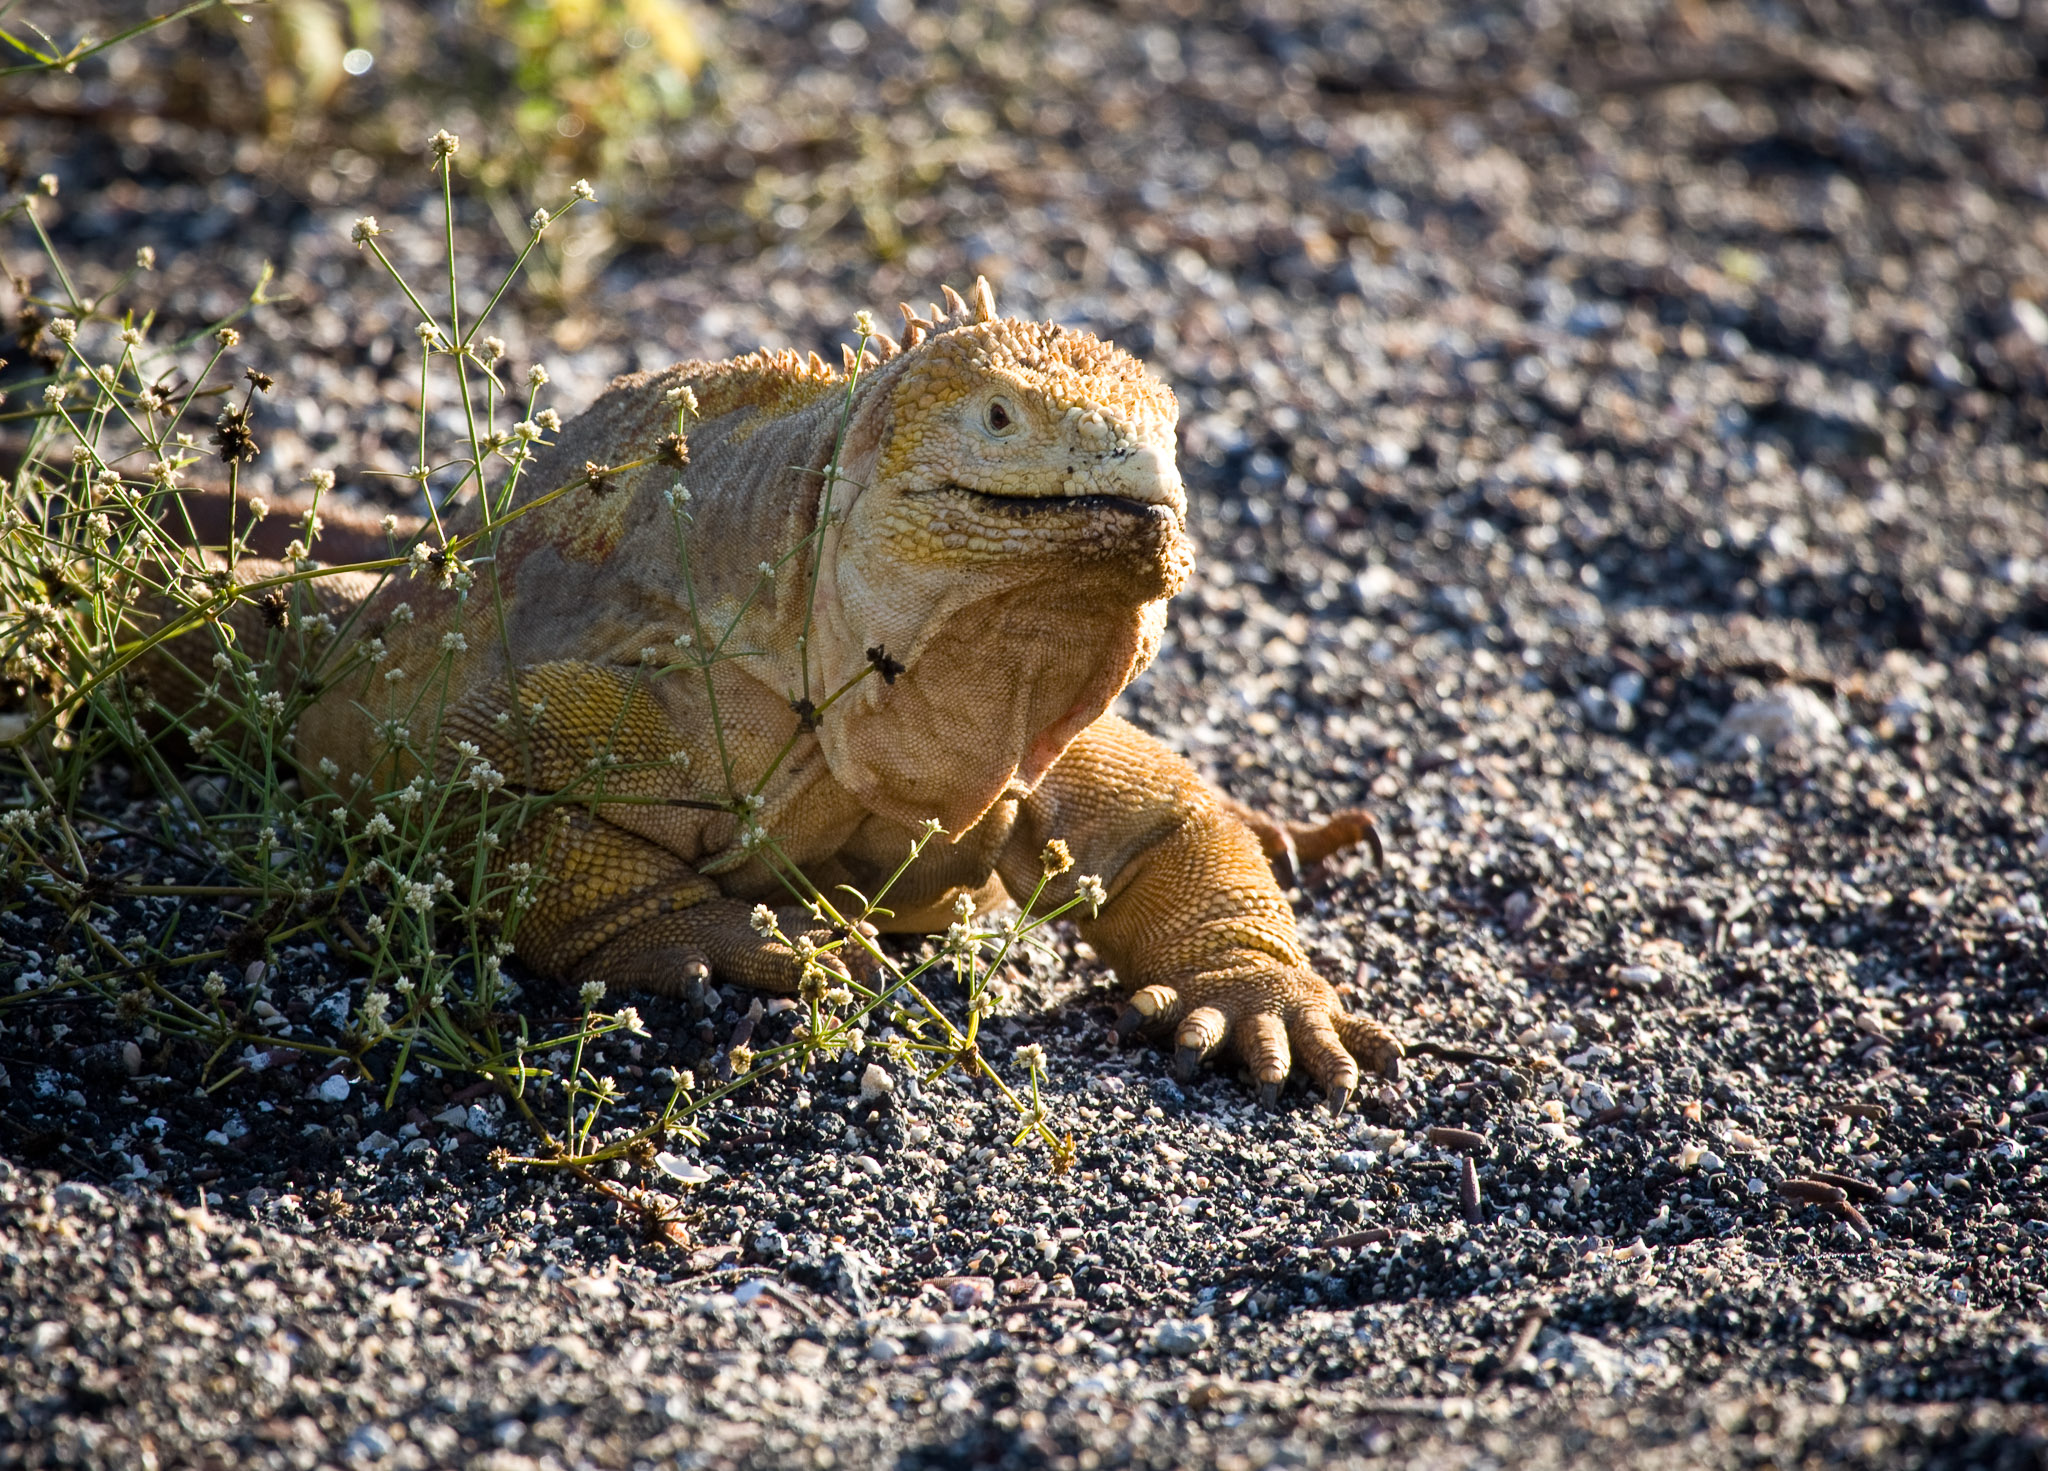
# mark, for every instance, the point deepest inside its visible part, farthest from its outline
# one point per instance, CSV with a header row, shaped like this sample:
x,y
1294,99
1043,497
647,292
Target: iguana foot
x,y
718,940
1269,1017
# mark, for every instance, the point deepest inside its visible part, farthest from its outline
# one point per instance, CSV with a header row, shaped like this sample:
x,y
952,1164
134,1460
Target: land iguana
x,y
1003,525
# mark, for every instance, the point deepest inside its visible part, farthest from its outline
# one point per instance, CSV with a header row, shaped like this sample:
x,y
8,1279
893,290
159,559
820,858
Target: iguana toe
x,y
1371,1043
1150,1007
1323,1053
1201,1034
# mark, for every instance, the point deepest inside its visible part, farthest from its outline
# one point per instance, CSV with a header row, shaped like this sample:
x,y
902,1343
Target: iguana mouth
x,y
1030,505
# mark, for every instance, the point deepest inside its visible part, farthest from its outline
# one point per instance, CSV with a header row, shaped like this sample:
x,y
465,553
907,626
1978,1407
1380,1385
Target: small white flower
x,y
364,230
582,190
329,768
762,920
1031,1057
64,329
322,481
864,322
453,642
526,431
539,222
145,258
591,993
767,569
536,375
629,1020
963,907
1089,891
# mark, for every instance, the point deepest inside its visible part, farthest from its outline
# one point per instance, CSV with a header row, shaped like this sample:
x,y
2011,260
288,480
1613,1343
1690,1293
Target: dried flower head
x,y
742,1058
259,380
1056,859
234,439
444,144
228,338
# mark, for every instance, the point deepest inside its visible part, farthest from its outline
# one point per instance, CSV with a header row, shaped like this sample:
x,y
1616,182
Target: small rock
x,y
76,1195
1179,1337
875,1083
949,1340
334,1089
1790,720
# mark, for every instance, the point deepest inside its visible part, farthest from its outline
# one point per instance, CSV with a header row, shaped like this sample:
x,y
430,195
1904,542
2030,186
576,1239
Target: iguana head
x,y
1015,528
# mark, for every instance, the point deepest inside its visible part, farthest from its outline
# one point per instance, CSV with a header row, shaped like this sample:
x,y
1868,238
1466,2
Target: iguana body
x,y
1007,526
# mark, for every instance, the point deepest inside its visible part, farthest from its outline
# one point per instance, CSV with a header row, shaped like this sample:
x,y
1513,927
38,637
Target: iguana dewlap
x,y
1006,527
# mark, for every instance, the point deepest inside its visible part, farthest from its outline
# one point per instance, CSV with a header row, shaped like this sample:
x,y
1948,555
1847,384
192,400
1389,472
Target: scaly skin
x,y
1008,526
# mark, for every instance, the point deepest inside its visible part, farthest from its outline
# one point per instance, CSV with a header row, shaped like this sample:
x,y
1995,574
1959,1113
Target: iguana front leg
x,y
1194,921
630,915
617,904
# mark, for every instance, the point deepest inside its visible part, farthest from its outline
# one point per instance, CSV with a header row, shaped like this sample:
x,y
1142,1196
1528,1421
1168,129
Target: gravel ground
x,y
1619,441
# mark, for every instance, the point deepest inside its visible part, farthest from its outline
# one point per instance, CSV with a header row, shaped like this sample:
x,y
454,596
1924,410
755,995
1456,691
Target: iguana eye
x,y
997,417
